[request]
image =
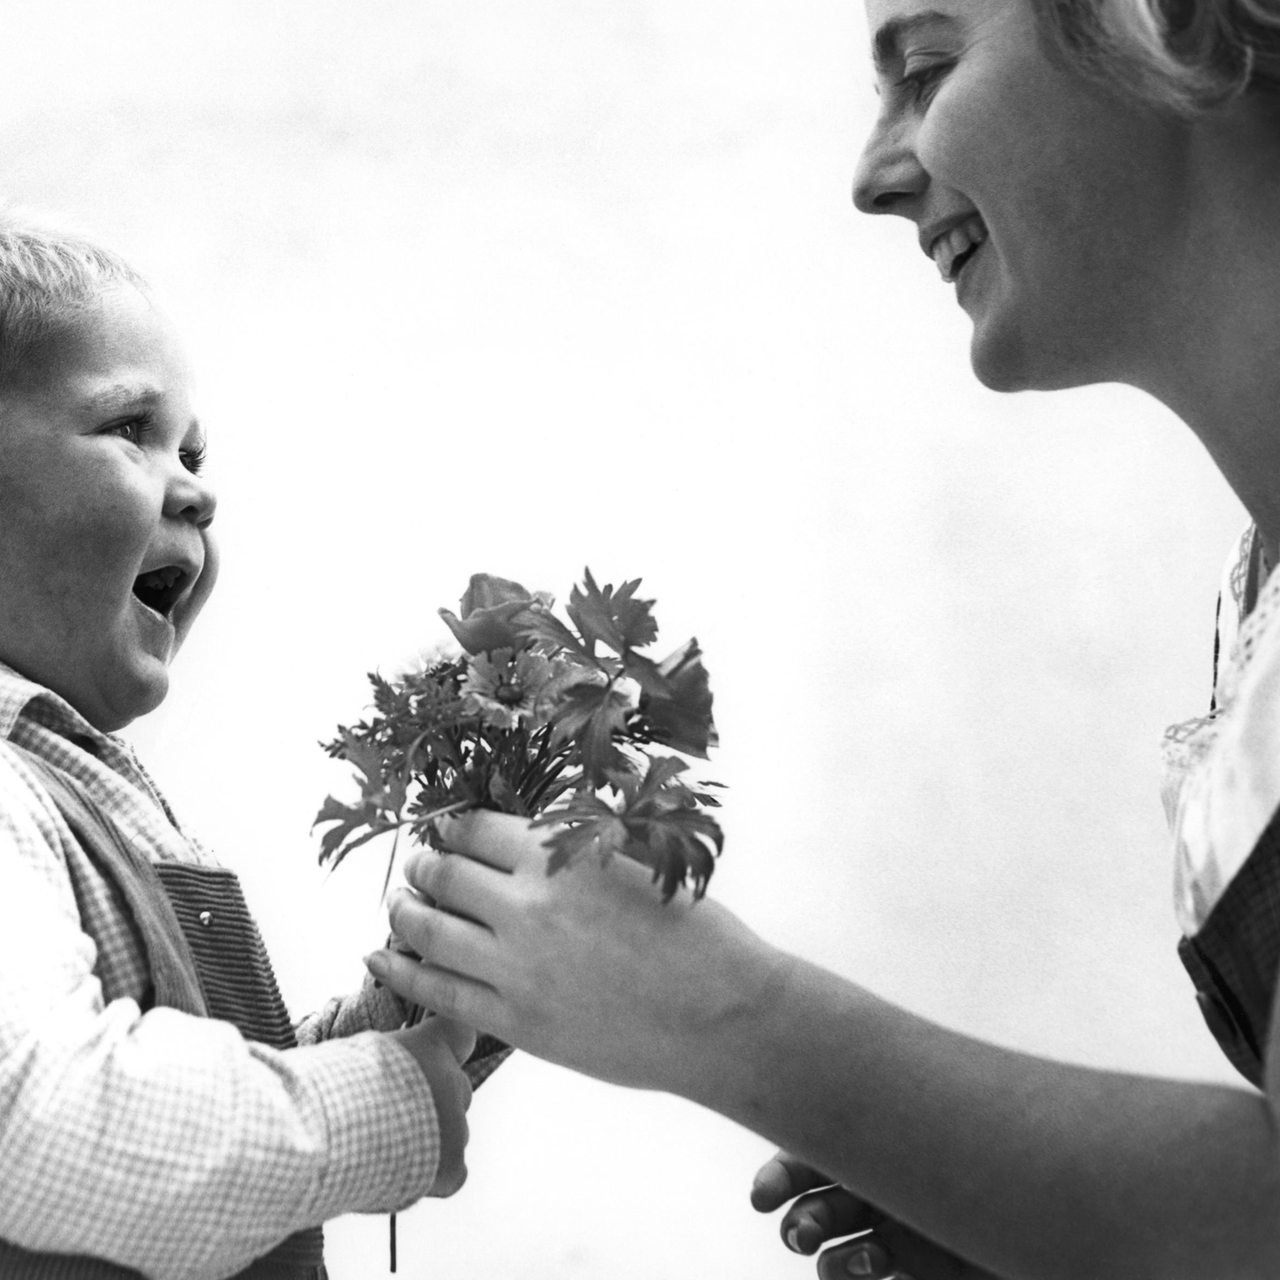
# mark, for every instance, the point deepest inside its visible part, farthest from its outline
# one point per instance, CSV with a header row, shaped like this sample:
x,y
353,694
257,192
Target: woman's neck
x,y
1218,362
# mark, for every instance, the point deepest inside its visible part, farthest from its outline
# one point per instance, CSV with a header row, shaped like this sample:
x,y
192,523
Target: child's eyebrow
x,y
122,395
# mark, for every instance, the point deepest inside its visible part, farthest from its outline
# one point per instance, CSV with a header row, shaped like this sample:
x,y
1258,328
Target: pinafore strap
x,y
206,958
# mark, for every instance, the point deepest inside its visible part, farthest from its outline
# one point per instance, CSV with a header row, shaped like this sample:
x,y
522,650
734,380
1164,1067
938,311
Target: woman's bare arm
x,y
1028,1167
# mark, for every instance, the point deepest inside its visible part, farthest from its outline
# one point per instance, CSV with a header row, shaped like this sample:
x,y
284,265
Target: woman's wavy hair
x,y
1188,55
47,278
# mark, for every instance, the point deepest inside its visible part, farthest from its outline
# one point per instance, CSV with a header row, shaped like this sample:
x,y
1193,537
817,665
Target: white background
x,y
525,286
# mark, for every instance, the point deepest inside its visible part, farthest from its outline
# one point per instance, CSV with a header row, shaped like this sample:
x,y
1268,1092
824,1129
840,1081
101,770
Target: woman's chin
x,y
1006,358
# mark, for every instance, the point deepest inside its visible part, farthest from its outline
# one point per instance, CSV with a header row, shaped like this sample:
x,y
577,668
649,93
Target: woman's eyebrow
x,y
886,46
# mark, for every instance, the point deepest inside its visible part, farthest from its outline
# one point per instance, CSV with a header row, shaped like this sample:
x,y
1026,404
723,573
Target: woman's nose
x,y
889,176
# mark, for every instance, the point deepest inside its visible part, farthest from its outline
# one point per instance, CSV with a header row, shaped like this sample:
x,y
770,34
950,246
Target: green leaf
x,y
613,618
503,795
662,769
367,762
385,696
338,841
602,837
542,625
590,715
657,824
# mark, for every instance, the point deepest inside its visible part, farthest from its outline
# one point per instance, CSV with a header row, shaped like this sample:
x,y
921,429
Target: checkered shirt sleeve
x,y
165,1143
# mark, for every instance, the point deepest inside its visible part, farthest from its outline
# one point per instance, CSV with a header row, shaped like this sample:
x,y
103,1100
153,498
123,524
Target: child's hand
x,y
821,1211
440,1046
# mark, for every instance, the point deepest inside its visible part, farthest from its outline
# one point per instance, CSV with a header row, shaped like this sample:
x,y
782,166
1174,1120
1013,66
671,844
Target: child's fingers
x,y
460,1038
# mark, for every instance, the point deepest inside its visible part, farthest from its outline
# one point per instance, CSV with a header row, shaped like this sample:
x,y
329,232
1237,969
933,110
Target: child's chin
x,y
130,696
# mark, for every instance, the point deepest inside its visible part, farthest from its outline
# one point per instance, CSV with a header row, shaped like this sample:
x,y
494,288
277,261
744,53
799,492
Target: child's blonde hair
x,y
1188,55
47,277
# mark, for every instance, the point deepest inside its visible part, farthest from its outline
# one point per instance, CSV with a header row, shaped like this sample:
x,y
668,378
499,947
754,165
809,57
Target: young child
x,y
157,1115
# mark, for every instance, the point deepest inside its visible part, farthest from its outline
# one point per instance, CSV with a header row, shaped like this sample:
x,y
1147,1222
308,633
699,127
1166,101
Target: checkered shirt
x,y
166,1143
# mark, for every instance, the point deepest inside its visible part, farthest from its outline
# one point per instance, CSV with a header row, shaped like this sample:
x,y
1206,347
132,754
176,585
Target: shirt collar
x,y
17,694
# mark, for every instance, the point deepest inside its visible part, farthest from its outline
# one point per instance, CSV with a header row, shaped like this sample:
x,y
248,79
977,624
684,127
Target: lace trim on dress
x,y
1248,605
1266,587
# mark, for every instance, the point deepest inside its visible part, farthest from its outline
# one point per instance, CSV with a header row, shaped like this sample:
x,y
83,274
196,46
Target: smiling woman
x,y
1099,181
996,152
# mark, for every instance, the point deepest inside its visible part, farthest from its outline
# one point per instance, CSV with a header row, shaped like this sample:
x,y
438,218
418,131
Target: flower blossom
x,y
507,686
490,608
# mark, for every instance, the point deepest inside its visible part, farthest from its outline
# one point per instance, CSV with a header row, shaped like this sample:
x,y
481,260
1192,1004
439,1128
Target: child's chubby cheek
x,y
58,553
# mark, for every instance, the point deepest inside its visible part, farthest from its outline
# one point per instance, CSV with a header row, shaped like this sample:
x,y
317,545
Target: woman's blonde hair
x,y
1189,55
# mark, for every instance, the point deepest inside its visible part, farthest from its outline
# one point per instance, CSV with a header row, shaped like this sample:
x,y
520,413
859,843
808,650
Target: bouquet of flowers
x,y
551,720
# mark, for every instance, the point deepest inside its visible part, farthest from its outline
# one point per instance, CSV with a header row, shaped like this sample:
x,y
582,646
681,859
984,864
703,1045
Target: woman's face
x,y
1053,205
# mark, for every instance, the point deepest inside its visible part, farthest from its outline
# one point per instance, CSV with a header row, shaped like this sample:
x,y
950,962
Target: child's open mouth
x,y
160,589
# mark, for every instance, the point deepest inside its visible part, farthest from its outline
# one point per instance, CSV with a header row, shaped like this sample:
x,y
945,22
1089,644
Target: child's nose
x,y
190,497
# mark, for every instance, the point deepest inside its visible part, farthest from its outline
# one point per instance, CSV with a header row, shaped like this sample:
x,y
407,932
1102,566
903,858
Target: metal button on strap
x,y
205,918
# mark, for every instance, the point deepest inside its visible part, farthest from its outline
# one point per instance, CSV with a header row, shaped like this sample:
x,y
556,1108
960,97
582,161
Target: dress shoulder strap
x,y
174,974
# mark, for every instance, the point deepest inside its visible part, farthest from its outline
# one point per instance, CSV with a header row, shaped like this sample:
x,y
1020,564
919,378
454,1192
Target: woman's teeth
x,y
955,247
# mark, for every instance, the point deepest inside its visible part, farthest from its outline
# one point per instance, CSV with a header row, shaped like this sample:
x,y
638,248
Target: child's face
x,y
105,549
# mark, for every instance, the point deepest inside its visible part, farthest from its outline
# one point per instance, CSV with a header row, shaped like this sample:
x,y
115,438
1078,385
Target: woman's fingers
x,y
860,1258
894,1252
827,1211
826,1215
587,967
500,840
442,939
456,885
820,1212
450,994
781,1178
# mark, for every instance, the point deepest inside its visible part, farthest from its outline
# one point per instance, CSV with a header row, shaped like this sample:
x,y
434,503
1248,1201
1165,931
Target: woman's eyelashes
x,y
920,83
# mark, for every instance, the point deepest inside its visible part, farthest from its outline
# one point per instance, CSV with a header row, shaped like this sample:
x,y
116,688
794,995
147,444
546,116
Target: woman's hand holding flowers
x,y
587,968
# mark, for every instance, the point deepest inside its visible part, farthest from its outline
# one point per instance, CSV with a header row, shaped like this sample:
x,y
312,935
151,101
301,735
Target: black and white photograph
x,y
634,640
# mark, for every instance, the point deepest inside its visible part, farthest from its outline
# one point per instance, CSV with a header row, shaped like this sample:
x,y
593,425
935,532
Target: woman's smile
x,y
953,245
982,138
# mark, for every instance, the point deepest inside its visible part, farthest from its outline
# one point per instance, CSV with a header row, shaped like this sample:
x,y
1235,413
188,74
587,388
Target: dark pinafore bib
x,y
1234,958
205,957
